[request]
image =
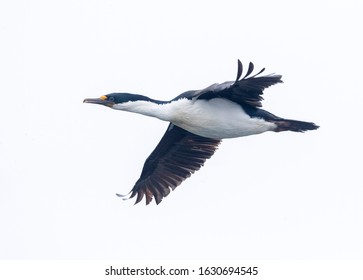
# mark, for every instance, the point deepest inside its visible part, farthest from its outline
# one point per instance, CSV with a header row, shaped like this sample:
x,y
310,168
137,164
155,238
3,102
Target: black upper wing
x,y
175,158
245,91
249,89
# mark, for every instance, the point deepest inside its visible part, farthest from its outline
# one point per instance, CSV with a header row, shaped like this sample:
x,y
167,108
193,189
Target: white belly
x,y
217,118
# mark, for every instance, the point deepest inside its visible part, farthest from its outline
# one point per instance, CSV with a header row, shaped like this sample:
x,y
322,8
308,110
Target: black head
x,y
111,99
125,97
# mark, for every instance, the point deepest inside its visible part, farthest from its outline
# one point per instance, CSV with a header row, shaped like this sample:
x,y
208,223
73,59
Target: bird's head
x,y
114,100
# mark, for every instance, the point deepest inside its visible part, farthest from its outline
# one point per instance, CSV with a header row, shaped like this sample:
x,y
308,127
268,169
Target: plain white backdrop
x,y
271,196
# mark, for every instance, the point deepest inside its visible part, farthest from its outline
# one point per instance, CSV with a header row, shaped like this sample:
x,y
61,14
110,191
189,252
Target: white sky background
x,y
270,196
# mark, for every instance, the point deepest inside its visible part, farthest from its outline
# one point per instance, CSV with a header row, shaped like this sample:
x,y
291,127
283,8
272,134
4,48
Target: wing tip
x,y
250,69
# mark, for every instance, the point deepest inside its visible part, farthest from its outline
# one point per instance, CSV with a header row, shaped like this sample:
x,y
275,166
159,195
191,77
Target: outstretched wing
x,y
178,155
245,91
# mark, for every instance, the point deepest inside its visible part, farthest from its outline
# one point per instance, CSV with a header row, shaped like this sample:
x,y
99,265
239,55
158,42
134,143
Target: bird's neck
x,y
152,108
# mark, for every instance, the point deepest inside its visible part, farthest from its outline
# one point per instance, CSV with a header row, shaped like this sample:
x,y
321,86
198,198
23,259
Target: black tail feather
x,y
292,125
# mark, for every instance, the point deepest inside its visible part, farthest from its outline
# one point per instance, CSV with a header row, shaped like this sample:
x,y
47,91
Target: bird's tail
x,y
292,125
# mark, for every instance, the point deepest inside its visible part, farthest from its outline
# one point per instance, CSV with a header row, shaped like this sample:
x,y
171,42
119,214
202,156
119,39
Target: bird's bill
x,y
101,101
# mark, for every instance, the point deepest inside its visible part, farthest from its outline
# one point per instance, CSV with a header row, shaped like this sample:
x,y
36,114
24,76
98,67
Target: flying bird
x,y
198,121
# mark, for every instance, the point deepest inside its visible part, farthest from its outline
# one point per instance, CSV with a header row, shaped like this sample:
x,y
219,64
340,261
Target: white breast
x,y
216,118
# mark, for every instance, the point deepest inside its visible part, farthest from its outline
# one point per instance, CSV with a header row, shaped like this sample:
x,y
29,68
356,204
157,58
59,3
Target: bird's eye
x,y
111,98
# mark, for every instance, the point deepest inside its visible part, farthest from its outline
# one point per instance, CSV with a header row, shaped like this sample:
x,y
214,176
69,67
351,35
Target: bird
x,y
198,121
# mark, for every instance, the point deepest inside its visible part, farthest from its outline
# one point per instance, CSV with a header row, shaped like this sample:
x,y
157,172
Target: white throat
x,y
148,108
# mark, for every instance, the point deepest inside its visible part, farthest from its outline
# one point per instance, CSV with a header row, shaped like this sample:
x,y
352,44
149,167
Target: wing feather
x,y
249,70
245,91
178,155
239,70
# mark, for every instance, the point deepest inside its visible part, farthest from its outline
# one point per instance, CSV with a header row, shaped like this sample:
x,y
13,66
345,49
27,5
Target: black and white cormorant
x,y
198,121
